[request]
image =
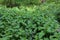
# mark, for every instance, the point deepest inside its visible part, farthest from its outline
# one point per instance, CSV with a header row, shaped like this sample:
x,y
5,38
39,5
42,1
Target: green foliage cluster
x,y
28,1
36,21
14,3
22,24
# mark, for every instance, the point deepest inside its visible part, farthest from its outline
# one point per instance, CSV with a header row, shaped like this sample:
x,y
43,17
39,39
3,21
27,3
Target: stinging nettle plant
x,y
28,25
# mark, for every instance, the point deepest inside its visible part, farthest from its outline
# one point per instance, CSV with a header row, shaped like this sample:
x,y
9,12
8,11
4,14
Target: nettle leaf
x,y
46,38
54,39
41,34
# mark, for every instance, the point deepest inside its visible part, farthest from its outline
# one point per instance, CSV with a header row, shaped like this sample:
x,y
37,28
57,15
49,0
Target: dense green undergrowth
x,y
29,23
